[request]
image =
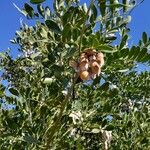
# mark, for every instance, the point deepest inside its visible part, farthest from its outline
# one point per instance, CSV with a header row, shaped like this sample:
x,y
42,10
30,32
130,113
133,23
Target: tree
x,y
53,110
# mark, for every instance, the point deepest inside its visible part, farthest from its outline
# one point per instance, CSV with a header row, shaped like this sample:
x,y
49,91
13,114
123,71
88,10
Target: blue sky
x,y
10,21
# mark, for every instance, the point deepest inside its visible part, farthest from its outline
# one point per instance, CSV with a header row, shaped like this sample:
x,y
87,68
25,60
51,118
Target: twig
x,y
56,124
136,6
83,27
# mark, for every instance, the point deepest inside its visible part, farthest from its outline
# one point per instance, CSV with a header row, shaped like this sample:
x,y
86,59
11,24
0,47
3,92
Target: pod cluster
x,y
89,64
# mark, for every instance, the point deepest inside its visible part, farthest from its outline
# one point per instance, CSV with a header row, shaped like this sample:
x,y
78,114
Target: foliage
x,y
53,111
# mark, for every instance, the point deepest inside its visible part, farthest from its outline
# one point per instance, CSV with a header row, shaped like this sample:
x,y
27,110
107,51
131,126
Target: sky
x,y
10,21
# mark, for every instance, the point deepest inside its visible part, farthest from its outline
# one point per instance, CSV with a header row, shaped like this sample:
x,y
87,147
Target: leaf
x,y
123,41
29,10
30,139
95,131
117,5
43,32
144,37
109,127
70,52
94,14
47,13
132,52
48,80
126,3
142,53
40,10
123,70
13,91
102,5
36,1
106,48
107,107
66,33
85,8
127,20
52,25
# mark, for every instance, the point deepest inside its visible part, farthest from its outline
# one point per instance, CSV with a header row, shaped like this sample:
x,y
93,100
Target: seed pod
x,y
92,57
84,65
84,75
82,56
90,51
95,68
92,75
100,59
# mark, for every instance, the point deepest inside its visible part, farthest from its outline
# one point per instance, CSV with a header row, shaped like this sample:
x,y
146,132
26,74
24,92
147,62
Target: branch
x,y
83,28
56,124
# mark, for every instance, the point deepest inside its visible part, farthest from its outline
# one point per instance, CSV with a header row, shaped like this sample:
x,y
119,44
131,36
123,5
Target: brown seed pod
x,y
95,68
92,58
90,51
84,65
84,75
91,74
83,59
100,59
83,55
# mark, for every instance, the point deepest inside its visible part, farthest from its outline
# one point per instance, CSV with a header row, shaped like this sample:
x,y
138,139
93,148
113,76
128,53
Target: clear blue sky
x,y
10,21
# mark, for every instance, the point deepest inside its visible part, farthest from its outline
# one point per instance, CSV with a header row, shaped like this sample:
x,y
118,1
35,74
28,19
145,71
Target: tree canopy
x,y
56,110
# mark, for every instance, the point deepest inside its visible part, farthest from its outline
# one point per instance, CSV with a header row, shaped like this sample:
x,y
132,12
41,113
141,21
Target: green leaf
x,y
30,139
123,41
66,33
94,14
95,131
117,5
36,1
106,48
47,13
40,10
48,80
102,6
13,91
52,25
29,10
144,37
124,53
109,127
132,52
43,32
126,3
128,19
123,70
70,52
142,53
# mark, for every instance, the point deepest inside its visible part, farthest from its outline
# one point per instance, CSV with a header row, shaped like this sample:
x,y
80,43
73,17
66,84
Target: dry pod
x,y
84,65
83,55
84,75
90,51
100,59
92,57
92,75
95,68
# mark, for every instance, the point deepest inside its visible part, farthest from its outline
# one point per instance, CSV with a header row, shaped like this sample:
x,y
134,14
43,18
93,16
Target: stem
x,y
83,27
56,124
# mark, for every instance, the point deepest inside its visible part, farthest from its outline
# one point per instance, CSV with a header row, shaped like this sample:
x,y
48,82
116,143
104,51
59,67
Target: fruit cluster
x,y
89,64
